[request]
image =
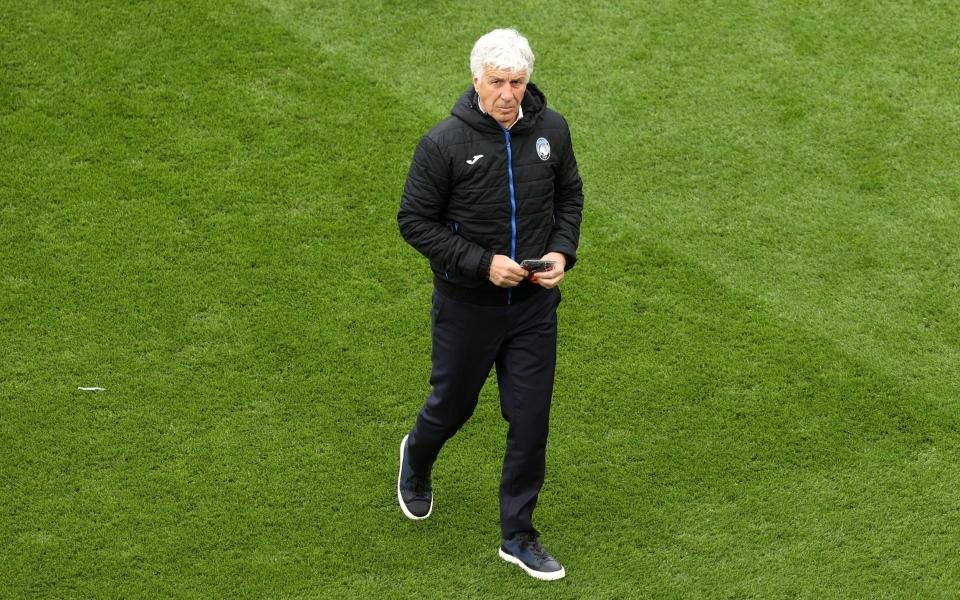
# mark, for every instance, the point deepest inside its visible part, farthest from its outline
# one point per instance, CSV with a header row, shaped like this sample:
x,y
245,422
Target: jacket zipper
x,y
513,209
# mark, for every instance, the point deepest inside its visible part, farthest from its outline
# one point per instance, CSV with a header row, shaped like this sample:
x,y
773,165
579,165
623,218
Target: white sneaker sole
x,y
550,576
403,506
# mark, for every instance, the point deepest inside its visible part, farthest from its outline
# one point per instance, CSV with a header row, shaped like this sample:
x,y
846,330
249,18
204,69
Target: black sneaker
x,y
414,493
525,551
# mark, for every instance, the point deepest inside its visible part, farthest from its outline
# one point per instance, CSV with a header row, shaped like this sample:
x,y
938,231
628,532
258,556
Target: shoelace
x,y
532,543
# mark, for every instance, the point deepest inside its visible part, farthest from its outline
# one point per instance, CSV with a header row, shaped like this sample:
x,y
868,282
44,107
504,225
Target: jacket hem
x,y
489,295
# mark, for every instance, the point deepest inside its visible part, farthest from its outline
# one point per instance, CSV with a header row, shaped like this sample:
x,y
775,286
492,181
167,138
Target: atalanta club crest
x,y
543,148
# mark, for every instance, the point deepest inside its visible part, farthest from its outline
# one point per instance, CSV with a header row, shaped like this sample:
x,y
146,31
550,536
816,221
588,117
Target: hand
x,y
505,272
553,277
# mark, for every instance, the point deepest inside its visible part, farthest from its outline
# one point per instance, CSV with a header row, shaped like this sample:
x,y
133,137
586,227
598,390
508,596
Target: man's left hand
x,y
553,277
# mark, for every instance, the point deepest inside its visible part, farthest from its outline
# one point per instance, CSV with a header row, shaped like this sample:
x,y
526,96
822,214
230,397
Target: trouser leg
x,y
465,343
525,374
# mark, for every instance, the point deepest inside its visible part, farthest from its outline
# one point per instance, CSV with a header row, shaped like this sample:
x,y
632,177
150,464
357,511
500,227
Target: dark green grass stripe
x,y
185,238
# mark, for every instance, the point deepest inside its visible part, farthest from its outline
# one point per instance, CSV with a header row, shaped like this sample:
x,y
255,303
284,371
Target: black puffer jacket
x,y
475,190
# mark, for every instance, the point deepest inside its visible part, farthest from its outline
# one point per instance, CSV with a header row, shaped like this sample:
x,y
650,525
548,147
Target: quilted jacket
x,y
476,189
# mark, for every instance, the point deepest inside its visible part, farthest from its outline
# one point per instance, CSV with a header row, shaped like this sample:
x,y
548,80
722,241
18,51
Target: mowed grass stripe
x,y
218,268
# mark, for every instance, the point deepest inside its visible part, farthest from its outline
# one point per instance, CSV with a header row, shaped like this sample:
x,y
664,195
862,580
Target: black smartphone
x,y
538,266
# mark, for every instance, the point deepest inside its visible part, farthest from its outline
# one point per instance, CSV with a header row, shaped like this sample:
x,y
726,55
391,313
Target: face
x,y
500,93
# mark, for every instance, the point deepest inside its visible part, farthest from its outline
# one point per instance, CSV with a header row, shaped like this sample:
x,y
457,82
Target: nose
x,y
506,93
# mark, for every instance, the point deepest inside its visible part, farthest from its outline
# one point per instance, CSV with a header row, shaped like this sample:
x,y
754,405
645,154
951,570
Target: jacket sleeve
x,y
567,205
422,216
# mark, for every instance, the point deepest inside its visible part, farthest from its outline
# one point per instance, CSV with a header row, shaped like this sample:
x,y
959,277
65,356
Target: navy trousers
x,y
468,340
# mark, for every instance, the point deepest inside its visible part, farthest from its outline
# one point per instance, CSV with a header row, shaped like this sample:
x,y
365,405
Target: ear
x,y
476,84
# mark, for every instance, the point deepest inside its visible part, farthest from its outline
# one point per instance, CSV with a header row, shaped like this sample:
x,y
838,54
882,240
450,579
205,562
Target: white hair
x,y
502,49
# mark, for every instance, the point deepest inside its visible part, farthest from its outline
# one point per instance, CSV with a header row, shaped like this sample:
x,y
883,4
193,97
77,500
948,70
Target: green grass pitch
x,y
759,375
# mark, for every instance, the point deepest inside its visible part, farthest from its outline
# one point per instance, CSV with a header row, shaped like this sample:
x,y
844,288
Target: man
x,y
493,184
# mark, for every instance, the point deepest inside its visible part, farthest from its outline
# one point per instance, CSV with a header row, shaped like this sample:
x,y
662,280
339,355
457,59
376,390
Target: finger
x,y
514,278
549,284
550,275
552,281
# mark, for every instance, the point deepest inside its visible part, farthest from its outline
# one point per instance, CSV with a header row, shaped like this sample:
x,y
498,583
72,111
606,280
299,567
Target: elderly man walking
x,y
491,188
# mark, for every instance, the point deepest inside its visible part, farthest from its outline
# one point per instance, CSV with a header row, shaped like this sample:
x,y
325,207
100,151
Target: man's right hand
x,y
505,272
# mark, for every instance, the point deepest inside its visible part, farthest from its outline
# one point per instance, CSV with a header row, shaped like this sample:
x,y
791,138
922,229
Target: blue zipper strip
x,y
513,209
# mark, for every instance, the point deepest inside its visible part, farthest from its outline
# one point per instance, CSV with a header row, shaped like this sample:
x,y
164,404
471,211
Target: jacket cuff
x,y
483,269
565,251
